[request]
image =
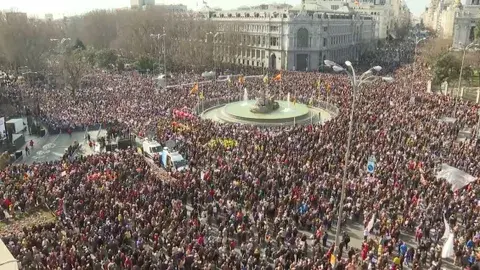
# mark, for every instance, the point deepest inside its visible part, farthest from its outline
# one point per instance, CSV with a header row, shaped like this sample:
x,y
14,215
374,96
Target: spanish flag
x,y
328,88
194,89
278,77
241,79
201,96
265,79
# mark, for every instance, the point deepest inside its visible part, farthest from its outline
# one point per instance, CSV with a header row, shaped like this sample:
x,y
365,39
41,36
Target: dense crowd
x,y
268,201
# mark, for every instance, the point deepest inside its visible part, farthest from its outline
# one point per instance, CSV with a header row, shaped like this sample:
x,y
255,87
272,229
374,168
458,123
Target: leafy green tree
x,y
79,45
106,58
447,68
145,64
120,64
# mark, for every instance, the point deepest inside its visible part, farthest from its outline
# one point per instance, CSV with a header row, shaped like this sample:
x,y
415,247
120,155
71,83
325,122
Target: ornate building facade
x,y
455,19
289,39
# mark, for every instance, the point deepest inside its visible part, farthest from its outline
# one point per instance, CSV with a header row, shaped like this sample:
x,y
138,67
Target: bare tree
x,y
99,29
24,42
433,49
74,67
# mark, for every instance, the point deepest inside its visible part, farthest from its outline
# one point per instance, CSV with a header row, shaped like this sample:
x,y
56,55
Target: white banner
x,y
447,229
457,178
447,249
2,127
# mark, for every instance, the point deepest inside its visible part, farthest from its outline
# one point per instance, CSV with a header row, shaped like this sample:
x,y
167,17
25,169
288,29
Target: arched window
x,y
302,38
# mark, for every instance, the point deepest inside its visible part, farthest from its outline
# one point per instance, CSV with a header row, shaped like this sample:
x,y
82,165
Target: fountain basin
x,y
286,114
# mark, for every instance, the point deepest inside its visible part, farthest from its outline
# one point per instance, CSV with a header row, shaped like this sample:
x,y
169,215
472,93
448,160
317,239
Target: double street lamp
x,y
213,51
366,77
158,37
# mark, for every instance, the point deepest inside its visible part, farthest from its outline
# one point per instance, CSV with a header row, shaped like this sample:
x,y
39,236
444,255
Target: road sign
x,y
371,164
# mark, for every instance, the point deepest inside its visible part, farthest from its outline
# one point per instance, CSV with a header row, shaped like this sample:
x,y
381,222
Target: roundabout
x,y
287,113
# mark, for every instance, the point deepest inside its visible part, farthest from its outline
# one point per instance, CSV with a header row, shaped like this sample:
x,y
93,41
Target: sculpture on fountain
x,y
264,104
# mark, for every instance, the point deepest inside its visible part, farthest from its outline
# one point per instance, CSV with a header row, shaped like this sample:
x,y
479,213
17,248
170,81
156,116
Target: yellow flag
x,y
201,96
294,101
278,77
241,79
310,102
265,79
194,89
333,259
319,83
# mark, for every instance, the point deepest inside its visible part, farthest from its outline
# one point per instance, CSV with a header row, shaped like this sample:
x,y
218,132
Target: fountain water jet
x,y
288,104
245,97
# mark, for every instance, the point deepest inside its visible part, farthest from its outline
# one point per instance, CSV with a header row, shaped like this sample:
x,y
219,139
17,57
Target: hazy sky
x,y
69,7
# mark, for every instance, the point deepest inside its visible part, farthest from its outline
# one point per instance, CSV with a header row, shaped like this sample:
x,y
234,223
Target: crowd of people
x,y
268,201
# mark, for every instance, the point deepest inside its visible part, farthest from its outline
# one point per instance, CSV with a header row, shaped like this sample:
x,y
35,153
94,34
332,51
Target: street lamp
x,y
417,41
213,51
158,37
465,49
366,77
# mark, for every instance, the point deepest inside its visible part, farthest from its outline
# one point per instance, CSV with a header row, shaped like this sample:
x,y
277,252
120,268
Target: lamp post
x,y
158,37
213,51
417,41
366,77
465,49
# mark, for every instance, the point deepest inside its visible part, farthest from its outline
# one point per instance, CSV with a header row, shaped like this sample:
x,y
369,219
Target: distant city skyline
x,y
73,7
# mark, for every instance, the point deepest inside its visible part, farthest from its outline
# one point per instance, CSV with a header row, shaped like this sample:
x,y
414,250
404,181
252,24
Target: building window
x,y
325,28
334,7
324,42
274,41
472,33
302,38
273,28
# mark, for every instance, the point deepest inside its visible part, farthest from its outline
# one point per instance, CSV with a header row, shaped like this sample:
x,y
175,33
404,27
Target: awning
x,y
457,178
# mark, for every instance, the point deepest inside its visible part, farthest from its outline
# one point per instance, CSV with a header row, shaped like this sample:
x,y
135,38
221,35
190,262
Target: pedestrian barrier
x,y
465,93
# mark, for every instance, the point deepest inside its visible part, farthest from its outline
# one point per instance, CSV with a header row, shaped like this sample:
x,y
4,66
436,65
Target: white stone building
x,y
455,19
466,18
291,40
388,14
